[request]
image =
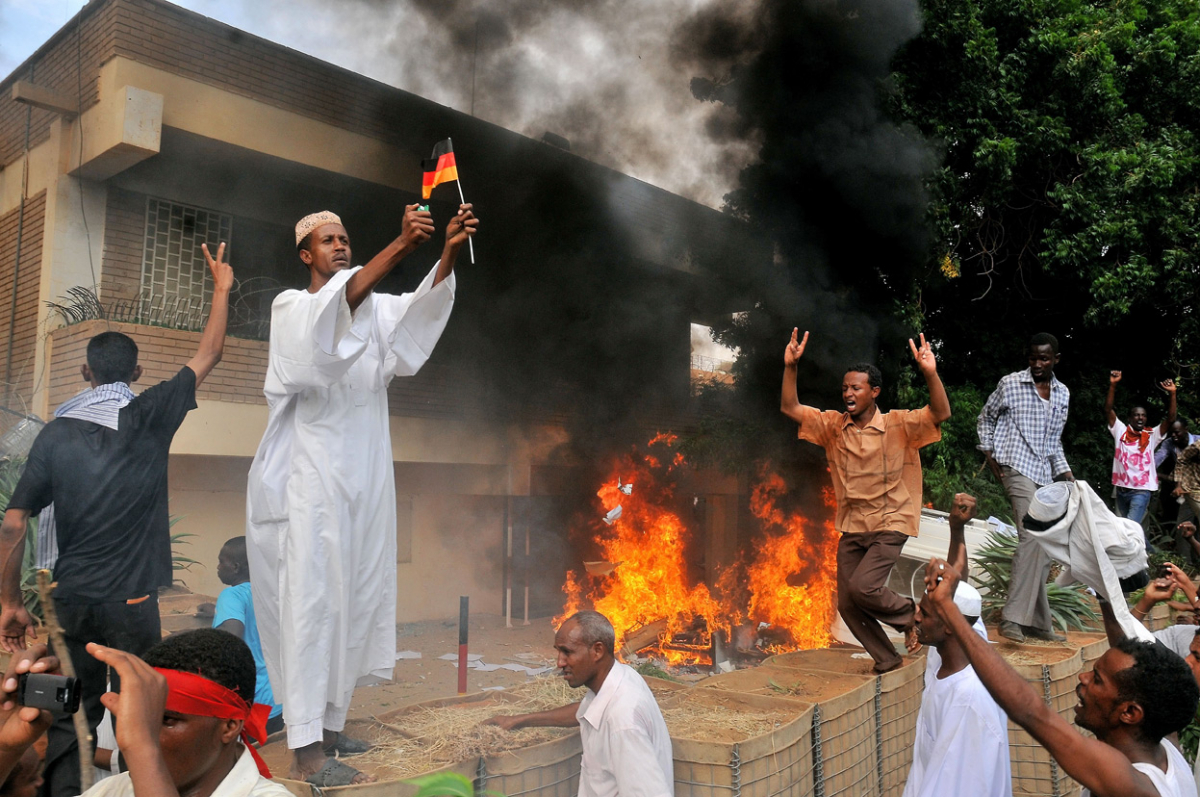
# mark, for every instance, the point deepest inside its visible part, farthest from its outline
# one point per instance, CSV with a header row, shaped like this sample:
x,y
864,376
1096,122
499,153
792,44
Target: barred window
x,y
174,274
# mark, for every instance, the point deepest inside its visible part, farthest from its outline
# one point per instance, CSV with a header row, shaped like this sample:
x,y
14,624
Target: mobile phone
x,y
59,694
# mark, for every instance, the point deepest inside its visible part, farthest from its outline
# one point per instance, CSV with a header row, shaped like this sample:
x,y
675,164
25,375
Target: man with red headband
x,y
183,725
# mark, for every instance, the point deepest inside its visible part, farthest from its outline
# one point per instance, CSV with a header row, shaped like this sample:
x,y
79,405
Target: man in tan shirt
x,y
876,468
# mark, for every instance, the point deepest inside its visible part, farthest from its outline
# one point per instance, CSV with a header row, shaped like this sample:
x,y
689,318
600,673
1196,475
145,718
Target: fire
x,y
644,581
805,610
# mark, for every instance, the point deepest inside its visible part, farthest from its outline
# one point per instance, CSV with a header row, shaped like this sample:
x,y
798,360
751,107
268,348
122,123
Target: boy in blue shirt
x,y
235,614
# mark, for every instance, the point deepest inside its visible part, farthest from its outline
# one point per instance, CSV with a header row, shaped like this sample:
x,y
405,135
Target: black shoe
x,y
1011,630
1045,636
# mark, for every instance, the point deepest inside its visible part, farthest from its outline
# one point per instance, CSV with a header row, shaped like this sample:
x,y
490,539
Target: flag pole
x,y
458,182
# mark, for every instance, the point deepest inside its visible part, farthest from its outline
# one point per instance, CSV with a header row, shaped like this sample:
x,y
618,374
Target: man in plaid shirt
x,y
1020,435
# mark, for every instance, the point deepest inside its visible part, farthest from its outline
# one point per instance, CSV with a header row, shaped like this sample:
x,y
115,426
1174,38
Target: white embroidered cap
x,y
968,600
1050,502
312,221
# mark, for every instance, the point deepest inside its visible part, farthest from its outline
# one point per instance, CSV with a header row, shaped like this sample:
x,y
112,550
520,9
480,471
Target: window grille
x,y
174,273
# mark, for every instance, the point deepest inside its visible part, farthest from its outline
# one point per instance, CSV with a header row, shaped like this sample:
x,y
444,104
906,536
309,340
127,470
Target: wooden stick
x,y
82,734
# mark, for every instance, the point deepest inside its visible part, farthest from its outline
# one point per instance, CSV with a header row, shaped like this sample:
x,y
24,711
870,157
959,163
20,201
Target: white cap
x,y
968,600
1050,502
312,221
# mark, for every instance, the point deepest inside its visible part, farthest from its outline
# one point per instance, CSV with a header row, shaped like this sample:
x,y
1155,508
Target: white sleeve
x,y
410,325
314,337
967,758
1177,638
636,766
1117,429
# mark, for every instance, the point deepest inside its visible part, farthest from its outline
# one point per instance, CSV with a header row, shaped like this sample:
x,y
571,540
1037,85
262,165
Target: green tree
x,y
1067,197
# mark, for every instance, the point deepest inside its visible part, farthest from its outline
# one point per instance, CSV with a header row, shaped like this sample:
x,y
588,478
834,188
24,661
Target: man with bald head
x,y
626,748
961,743
321,503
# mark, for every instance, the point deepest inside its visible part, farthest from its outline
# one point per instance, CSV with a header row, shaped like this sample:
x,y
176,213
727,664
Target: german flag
x,y
440,168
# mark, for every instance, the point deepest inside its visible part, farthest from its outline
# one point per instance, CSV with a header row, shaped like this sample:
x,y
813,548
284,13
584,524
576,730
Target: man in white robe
x,y
961,744
321,506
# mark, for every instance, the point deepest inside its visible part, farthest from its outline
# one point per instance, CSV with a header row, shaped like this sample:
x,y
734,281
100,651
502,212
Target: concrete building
x,y
140,130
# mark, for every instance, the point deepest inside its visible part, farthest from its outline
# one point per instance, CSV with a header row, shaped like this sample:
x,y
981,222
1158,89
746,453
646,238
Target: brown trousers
x,y
864,562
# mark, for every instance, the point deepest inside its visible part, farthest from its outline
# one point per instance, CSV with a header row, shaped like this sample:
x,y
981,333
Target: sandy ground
x,y
428,678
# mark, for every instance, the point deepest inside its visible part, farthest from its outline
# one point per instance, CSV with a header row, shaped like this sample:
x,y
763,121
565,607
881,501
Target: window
x,y
174,274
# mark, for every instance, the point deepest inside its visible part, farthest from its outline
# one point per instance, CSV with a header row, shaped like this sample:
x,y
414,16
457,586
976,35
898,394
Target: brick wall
x,y
69,64
22,378
161,352
124,241
436,392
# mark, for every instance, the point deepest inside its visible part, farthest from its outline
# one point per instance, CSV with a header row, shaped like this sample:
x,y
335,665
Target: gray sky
x,y
599,72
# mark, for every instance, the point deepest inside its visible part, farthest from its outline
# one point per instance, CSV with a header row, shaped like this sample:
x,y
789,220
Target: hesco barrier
x,y
1158,618
775,764
1034,772
550,769
844,722
898,694
1091,647
547,769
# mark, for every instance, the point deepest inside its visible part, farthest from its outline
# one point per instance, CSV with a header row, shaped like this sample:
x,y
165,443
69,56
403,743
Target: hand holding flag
x,y
439,168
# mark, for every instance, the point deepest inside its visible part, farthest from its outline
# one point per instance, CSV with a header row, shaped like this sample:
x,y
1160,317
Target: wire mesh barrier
x,y
898,701
777,763
550,769
1033,770
845,729
1091,647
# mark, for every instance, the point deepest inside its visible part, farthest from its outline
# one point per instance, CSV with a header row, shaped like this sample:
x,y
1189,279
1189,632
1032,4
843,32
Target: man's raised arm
x,y
415,229
961,512
1110,414
789,401
1172,406
1101,768
212,341
458,231
939,402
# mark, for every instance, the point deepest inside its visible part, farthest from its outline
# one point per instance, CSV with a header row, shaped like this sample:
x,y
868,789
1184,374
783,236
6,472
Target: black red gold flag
x,y
438,169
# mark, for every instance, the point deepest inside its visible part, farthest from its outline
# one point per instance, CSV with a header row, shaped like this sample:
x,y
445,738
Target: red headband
x,y
189,693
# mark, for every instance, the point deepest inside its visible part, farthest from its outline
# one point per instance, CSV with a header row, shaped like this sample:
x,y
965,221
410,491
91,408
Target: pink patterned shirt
x,y
1133,464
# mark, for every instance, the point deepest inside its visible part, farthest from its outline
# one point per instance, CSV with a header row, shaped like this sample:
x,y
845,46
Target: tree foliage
x,y
1061,195
1067,199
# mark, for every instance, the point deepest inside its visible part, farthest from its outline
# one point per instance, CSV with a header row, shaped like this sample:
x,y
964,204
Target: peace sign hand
x,y
794,350
222,272
926,362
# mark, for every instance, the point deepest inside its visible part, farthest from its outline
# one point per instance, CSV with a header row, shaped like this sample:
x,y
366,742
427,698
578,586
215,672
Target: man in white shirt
x,y
321,495
961,744
1134,474
626,747
1137,693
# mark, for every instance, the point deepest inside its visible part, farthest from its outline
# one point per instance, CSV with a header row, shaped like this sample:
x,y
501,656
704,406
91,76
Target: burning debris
x,y
781,596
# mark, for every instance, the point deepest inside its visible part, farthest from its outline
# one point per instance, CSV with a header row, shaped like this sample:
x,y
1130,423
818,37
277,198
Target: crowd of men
x,y
309,609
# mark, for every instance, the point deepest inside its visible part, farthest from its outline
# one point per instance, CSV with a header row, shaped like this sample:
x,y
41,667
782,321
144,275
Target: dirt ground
x,y
428,678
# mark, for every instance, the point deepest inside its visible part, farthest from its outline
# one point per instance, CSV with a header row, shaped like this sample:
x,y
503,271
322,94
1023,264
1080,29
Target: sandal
x,y
334,773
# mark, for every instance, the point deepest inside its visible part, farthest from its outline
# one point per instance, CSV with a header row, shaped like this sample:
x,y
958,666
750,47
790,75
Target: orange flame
x,y
650,583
